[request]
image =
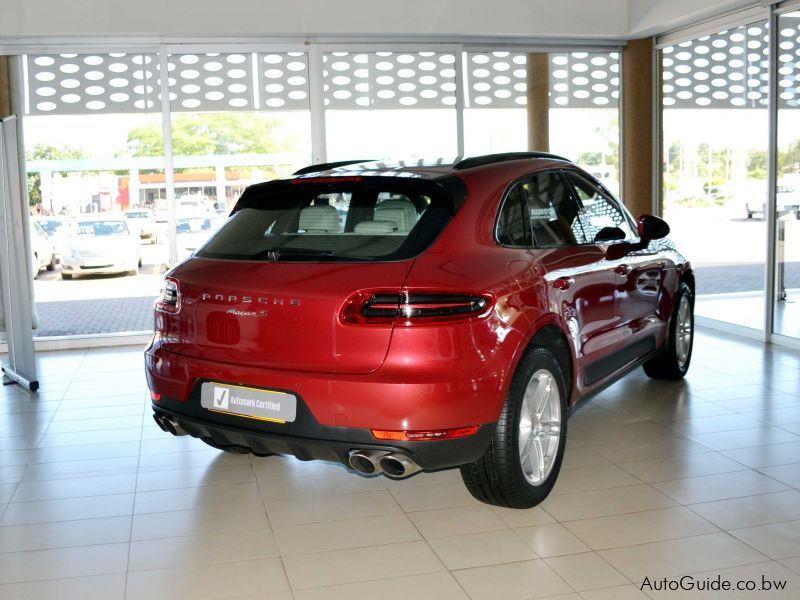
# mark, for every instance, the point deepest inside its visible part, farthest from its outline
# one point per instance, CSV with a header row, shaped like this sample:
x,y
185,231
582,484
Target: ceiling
x,y
521,19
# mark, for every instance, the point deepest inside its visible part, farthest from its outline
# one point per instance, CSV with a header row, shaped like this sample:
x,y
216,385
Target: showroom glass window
x,y
787,238
238,118
85,116
583,106
715,128
584,112
396,105
495,113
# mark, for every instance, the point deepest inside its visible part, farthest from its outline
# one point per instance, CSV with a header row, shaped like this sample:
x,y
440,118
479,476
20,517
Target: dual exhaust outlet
x,y
375,462
366,462
169,424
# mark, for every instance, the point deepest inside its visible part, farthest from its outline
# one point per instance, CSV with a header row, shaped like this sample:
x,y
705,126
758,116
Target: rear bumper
x,y
307,440
335,412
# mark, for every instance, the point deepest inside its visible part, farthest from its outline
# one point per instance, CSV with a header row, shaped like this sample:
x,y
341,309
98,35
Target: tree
x,y
756,164
47,152
221,134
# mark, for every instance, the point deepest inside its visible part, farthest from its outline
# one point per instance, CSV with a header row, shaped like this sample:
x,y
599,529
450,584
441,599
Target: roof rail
x,y
488,159
328,166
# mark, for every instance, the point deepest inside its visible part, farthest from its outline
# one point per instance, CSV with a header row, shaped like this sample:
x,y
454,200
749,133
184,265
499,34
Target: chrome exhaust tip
x,y
172,426
157,419
366,462
398,466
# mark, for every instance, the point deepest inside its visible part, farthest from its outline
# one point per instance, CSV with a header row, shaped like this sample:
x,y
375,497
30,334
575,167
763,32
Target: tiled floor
x,y
660,480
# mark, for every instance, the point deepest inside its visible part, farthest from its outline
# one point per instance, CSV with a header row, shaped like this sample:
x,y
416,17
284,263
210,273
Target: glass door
x,y
787,214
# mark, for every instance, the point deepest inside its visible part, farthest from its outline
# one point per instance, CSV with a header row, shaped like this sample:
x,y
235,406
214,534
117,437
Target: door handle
x,y
563,283
623,270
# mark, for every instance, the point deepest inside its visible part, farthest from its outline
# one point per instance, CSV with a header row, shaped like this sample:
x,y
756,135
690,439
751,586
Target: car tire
x,y
505,475
749,215
66,275
51,266
673,361
139,264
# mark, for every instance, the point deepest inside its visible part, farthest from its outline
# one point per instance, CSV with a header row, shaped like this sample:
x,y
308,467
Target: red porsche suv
x,y
418,316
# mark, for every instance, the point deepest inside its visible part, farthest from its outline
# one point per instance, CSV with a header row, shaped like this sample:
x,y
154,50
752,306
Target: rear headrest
x,y
395,215
407,209
375,227
319,219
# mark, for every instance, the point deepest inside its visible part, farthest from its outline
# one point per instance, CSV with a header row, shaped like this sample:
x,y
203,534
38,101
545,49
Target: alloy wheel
x,y
539,427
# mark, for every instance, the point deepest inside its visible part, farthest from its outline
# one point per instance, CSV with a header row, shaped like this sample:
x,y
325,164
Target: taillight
x,y
422,436
412,307
170,301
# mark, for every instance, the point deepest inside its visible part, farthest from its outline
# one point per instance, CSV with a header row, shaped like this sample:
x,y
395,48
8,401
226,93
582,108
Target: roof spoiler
x,y
328,166
488,159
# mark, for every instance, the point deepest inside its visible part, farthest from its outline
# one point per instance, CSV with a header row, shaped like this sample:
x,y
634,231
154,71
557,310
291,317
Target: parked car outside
x,y
142,221
43,254
57,231
787,202
455,319
101,245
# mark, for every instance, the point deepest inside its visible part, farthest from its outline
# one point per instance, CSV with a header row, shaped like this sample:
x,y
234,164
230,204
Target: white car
x,y
788,201
57,231
43,255
100,245
142,221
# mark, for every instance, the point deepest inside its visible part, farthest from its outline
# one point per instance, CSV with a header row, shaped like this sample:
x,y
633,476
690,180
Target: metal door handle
x,y
563,283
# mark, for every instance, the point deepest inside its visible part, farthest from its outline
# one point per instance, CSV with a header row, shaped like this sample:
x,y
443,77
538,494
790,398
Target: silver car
x,y
99,246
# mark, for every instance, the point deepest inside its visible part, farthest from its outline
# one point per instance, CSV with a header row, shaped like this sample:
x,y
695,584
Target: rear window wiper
x,y
275,254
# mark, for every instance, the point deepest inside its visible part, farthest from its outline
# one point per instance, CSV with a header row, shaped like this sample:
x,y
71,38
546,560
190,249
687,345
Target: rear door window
x,y
552,212
512,225
365,220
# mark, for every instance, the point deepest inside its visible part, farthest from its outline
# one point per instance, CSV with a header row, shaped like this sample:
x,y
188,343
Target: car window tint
x,y
599,211
391,219
553,214
511,226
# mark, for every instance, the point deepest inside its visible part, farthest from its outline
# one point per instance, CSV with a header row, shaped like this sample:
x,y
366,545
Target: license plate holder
x,y
252,403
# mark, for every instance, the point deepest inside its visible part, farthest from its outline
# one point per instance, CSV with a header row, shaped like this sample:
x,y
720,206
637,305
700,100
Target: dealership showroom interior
x,y
350,300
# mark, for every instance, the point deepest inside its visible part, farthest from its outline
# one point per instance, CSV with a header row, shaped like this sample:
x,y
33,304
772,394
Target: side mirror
x,y
651,228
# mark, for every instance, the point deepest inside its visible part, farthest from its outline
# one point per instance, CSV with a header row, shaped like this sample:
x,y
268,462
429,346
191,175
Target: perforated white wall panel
x,y
730,69
584,80
79,84
96,83
577,79
389,80
120,83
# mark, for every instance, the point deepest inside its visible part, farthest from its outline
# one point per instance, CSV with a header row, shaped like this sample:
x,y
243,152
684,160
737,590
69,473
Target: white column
x,y
222,200
133,187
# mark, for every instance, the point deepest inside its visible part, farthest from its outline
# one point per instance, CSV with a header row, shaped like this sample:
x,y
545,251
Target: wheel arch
x,y
687,277
552,338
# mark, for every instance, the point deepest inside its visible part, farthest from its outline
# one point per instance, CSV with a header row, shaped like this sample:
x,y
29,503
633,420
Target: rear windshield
x,y
51,227
385,220
101,228
137,215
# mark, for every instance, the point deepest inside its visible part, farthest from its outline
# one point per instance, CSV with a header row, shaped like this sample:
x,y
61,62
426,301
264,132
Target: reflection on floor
x,y
747,309
660,480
